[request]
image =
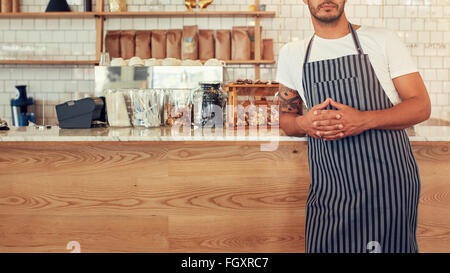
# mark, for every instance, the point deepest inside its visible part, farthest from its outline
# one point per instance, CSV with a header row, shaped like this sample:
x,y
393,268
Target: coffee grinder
x,y
19,107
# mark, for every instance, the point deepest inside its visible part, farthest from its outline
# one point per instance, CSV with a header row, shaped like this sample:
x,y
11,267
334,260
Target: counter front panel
x,y
114,195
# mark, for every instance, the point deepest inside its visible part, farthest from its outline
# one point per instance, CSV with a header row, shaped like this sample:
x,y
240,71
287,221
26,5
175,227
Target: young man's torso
x,y
387,53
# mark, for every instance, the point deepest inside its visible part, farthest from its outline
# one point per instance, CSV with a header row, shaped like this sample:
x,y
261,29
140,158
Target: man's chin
x,y
327,19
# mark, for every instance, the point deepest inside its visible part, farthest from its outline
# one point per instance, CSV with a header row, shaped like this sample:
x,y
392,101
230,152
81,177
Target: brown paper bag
x,y
6,5
206,44
240,44
15,5
174,43
223,45
112,43
143,50
189,45
127,44
268,49
159,44
251,33
252,36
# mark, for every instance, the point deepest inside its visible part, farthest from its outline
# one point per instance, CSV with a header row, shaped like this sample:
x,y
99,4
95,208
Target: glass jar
x,y
255,112
146,107
178,108
210,102
118,109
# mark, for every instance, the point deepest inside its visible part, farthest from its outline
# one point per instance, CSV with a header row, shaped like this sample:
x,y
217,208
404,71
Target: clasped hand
x,y
333,124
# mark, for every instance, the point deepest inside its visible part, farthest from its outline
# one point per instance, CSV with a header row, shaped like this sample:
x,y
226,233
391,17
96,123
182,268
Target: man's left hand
x,y
354,121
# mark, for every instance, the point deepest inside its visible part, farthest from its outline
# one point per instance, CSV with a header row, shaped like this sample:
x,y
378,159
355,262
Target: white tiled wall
x,y
47,39
422,24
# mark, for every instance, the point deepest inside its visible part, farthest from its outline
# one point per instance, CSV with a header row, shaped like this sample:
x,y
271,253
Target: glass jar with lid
x,y
210,102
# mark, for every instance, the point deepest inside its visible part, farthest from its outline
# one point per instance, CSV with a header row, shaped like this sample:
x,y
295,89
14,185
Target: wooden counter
x,y
178,196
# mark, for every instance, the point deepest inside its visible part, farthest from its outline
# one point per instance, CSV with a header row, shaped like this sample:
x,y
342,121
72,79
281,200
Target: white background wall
x,y
422,24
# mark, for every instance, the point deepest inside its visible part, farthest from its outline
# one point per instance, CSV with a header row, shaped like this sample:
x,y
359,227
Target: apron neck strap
x,y
355,41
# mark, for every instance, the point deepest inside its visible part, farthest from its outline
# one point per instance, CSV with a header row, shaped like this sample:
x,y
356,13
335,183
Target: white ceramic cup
x,y
152,62
214,62
171,62
118,62
136,61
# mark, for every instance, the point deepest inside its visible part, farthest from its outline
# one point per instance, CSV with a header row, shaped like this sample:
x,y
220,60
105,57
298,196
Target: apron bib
x,y
364,189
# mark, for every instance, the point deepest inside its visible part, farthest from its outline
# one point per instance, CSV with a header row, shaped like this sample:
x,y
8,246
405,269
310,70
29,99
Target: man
x,y
362,90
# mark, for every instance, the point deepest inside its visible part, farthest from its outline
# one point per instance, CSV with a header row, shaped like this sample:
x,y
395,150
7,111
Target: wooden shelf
x,y
187,14
96,62
250,62
46,62
138,14
100,15
48,15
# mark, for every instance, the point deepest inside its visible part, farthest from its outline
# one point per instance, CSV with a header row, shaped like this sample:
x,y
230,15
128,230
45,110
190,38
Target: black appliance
x,y
81,114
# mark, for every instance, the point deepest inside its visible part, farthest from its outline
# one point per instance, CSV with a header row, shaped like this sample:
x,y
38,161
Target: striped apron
x,y
364,190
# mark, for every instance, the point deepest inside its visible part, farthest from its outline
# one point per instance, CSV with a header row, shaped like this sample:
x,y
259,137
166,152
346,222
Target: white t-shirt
x,y
389,57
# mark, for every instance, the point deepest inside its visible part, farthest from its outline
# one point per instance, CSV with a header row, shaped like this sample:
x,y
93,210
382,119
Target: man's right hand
x,y
329,120
317,122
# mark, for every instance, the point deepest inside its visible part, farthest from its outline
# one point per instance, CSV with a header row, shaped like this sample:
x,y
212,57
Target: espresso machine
x,y
19,107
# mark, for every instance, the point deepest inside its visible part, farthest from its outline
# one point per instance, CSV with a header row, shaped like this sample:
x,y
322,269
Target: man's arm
x,y
414,108
290,110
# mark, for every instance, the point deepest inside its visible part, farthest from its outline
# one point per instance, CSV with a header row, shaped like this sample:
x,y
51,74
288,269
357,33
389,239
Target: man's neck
x,y
334,30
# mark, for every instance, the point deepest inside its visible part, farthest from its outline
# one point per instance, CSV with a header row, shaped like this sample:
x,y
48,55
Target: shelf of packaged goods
x,y
138,14
187,14
99,14
230,62
48,62
250,62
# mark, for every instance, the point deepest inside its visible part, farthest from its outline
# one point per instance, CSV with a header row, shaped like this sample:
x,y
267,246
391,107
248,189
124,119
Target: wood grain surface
x,y
433,231
178,197
99,233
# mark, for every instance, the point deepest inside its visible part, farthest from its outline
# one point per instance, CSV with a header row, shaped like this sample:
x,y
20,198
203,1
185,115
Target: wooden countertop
x,y
55,134
164,134
179,196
